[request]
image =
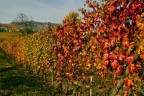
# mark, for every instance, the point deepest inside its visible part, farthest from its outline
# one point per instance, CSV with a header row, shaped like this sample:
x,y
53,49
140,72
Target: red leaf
x,y
112,56
119,70
105,62
132,68
126,43
114,64
121,57
105,56
130,59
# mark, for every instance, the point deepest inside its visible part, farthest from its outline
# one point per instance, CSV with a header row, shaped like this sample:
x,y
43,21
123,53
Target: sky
x,y
40,10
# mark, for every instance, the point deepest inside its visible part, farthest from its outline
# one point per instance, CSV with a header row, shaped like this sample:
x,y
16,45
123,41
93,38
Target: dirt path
x,y
15,82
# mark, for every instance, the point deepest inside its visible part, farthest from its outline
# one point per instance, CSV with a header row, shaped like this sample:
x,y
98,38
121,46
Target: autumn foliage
x,y
107,44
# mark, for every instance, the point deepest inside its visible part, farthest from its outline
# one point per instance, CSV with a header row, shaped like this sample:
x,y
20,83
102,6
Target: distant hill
x,y
43,23
36,25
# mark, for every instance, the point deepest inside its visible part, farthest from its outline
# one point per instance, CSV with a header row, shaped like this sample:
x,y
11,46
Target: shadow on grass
x,y
15,82
8,68
9,82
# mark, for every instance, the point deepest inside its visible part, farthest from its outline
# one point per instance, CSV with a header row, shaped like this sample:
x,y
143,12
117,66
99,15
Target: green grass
x,y
15,81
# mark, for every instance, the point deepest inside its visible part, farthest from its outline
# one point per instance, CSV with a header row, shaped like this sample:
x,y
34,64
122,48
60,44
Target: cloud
x,y
39,10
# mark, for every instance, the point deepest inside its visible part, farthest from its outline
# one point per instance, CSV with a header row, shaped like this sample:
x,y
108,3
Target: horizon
x,y
53,11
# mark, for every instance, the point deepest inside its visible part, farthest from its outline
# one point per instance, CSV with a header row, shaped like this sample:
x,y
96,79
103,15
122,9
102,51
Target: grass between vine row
x,y
15,81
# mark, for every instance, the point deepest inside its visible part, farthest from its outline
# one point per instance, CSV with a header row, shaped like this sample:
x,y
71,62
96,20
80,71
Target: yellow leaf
x,y
93,48
75,82
141,47
138,24
88,65
73,64
143,14
99,66
141,27
117,48
84,53
139,51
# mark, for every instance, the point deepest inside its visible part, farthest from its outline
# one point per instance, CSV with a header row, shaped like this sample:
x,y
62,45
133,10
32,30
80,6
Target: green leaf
x,y
136,56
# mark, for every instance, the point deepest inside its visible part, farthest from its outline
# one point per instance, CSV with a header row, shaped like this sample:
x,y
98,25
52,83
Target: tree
x,y
25,23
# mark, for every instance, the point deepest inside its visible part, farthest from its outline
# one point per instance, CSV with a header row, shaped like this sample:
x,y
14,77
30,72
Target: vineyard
x,y
99,54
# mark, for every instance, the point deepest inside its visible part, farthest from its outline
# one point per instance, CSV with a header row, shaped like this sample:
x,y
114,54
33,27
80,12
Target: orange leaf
x,y
111,8
129,83
126,93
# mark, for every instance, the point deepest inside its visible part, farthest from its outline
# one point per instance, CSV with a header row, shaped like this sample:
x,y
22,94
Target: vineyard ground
x,y
15,81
